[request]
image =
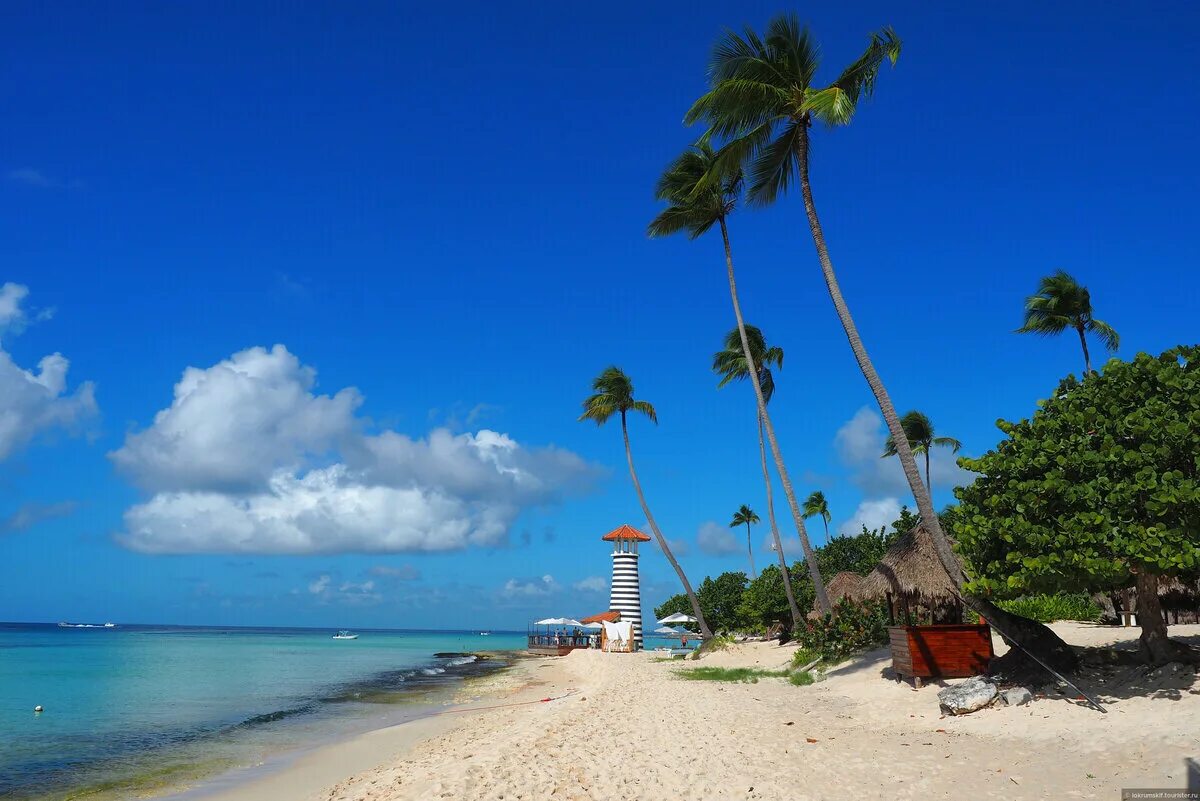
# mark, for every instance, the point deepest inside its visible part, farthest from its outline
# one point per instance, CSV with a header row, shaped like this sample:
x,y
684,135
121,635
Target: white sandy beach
x,y
629,729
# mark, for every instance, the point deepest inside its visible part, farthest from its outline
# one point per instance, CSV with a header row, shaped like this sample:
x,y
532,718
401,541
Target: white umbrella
x,y
665,630
678,617
593,626
558,621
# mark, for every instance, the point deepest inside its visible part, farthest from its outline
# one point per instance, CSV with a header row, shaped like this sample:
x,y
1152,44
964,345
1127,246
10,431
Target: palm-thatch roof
x,y
843,585
909,569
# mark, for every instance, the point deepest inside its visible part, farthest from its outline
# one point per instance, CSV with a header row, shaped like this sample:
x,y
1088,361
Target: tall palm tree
x,y
765,86
918,430
745,516
815,505
614,395
700,195
1061,304
731,364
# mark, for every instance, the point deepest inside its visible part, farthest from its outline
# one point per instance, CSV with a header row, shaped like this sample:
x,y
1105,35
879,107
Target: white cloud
x,y
30,176
347,592
248,459
713,538
859,443
590,584
873,514
30,514
232,426
530,588
32,402
679,547
402,573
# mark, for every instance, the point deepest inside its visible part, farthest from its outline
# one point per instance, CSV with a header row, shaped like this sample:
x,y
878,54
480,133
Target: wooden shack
x,y
931,641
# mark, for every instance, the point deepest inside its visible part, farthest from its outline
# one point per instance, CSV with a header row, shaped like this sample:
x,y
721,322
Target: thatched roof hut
x,y
843,585
911,575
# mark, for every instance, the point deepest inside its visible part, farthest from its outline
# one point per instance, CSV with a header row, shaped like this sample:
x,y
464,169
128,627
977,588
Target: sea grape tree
x,y
1099,489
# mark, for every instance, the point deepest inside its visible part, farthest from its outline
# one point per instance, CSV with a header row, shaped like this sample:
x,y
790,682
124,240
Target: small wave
x,y
432,671
462,660
280,714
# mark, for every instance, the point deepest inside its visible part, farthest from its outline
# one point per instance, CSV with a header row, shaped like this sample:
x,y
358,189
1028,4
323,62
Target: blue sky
x,y
438,213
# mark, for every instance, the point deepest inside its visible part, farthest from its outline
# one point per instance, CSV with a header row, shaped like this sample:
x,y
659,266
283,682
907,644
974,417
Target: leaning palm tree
x,y
731,364
764,98
614,395
815,505
700,196
918,430
745,516
1061,304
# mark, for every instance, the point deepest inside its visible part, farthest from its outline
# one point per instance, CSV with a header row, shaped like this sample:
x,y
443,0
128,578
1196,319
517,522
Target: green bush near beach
x,y
1049,608
738,675
856,627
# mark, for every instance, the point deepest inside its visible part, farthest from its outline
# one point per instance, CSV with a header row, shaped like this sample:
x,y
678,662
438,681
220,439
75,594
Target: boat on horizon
x,y
66,625
344,634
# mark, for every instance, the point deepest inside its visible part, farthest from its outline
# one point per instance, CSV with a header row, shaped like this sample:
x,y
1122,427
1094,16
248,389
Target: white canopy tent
x,y
678,617
558,621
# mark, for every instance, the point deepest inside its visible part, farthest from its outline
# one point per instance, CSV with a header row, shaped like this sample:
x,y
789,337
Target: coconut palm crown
x,y
764,96
688,208
730,362
1062,303
918,430
745,516
815,505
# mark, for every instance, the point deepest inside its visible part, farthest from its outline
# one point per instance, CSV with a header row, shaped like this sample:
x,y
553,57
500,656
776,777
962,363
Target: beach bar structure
x,y
931,640
625,594
556,636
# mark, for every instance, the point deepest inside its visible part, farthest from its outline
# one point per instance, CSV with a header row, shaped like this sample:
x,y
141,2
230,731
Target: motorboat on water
x,y
65,625
484,633
345,635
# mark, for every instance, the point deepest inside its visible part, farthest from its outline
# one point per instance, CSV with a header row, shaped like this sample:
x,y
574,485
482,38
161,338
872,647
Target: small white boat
x,y
484,633
345,635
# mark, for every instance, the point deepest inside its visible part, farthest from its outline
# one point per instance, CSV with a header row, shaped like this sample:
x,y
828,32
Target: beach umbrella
x,y
678,617
665,630
593,626
558,621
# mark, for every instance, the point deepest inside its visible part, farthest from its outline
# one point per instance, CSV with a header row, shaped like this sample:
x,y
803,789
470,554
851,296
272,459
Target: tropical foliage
x,y
1062,304
852,628
815,505
1060,606
745,516
918,430
1099,488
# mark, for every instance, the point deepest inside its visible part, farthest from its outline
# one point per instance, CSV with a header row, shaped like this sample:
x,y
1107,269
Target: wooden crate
x,y
940,651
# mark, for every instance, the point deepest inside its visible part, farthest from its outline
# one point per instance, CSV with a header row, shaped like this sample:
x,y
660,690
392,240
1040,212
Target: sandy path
x,y
636,731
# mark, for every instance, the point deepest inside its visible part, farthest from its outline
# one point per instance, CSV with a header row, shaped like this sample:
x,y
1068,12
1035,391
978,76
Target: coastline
x,y
627,726
303,773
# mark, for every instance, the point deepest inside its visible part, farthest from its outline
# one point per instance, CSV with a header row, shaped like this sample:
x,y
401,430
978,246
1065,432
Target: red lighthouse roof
x,y
625,532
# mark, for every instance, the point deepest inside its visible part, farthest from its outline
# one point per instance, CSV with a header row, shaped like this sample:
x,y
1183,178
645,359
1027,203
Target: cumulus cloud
x,y
873,514
715,539
590,584
530,588
32,402
859,444
248,459
30,514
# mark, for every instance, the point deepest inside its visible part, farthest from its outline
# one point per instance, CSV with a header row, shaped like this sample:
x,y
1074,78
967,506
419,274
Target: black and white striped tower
x,y
625,594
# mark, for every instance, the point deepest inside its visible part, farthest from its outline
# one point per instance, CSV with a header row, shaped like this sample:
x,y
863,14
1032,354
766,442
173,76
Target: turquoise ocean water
x,y
139,710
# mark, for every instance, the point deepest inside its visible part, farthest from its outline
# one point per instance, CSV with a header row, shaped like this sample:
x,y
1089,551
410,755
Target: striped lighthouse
x,y
625,594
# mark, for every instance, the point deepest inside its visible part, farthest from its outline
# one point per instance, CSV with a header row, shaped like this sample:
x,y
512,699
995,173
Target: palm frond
x,y
772,170
831,105
858,79
948,442
1104,332
646,408
794,47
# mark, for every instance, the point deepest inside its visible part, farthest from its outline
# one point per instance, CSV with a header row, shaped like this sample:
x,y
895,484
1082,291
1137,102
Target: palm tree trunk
x,y
810,558
1037,637
787,579
1087,360
928,480
826,522
750,550
705,631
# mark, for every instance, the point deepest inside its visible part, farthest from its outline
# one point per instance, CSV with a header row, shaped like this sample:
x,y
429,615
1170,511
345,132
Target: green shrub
x,y
855,627
801,678
1048,608
741,675
803,656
